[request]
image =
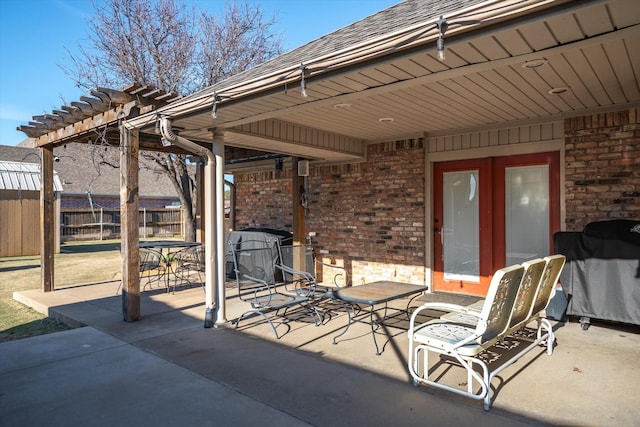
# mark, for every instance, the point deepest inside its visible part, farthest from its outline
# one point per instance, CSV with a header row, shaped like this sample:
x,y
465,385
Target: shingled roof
x,y
407,14
85,168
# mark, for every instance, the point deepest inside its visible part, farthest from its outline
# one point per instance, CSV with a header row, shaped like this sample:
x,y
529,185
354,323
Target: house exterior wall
x,y
602,154
372,217
367,216
264,200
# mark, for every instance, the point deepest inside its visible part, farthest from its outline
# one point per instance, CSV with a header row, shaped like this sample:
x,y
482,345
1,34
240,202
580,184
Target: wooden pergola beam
x,y
89,125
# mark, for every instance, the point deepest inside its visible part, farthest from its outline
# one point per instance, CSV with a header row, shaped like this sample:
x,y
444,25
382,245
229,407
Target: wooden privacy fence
x,y
100,224
20,222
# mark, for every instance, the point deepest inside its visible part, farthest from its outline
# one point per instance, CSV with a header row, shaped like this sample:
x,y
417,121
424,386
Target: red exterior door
x,y
489,213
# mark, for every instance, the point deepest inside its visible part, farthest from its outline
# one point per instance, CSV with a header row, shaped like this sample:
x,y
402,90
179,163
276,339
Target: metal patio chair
x,y
188,266
152,267
304,274
259,286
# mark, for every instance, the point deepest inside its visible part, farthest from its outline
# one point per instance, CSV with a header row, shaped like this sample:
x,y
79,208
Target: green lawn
x,y
78,263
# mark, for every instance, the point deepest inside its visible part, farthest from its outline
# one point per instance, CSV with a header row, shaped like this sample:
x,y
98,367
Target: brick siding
x,y
367,216
602,168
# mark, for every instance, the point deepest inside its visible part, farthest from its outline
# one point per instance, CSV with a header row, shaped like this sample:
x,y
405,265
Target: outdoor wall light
x,y
214,109
303,84
441,25
440,47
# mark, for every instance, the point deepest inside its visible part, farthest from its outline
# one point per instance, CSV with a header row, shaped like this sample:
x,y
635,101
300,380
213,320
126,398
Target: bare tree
x,y
164,44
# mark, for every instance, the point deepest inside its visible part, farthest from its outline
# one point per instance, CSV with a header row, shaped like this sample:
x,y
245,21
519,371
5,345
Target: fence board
x,y
100,224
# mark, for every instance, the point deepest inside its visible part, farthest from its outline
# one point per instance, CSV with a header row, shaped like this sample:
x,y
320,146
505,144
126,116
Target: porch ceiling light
x,y
341,106
558,90
534,63
386,120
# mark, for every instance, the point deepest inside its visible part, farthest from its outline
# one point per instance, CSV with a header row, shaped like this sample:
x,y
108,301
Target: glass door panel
x,y
526,213
461,226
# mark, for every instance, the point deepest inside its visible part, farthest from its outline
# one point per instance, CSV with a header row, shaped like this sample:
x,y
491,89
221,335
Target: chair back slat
x,y
529,286
496,311
550,276
255,259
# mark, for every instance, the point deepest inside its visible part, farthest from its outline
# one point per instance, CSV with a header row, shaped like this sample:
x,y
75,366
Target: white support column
x,y
207,213
218,215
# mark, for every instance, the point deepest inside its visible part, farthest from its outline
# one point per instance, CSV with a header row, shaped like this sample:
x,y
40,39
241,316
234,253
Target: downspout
x,y
217,316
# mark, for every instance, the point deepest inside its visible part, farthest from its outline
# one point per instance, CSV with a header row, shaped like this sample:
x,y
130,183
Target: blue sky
x,y
36,34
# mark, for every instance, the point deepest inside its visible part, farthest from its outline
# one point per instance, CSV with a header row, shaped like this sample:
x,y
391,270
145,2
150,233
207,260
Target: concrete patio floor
x,y
167,369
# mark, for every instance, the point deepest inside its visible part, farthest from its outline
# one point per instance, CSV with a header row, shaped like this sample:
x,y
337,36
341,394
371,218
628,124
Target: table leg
x,y
348,308
373,327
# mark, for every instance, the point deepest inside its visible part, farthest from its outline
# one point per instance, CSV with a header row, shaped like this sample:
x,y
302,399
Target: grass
x,y
78,263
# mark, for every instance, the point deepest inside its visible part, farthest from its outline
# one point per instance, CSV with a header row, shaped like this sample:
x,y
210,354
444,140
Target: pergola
x,y
103,117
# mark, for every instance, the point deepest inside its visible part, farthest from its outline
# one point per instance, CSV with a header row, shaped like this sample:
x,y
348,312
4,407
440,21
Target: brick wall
x,y
369,216
602,168
264,200
366,216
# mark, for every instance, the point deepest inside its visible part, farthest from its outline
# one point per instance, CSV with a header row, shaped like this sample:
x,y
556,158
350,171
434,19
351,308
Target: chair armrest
x,y
303,282
440,306
451,308
339,272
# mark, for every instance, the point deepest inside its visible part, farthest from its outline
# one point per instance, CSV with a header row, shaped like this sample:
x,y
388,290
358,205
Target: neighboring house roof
x,y
86,168
22,176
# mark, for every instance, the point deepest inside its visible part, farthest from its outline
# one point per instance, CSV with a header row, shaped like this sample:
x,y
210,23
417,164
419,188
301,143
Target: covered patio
x,y
464,81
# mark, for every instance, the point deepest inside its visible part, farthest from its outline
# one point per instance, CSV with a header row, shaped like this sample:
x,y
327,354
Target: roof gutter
x,y
213,232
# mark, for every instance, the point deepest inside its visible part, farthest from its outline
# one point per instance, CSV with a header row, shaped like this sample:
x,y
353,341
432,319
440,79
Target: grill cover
x,y
602,275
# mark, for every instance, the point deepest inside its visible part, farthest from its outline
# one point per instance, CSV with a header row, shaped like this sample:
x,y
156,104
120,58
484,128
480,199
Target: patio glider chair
x,y
259,285
534,294
188,266
464,342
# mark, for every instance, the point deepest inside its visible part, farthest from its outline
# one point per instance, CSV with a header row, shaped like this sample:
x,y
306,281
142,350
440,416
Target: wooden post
x,y
47,222
129,223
